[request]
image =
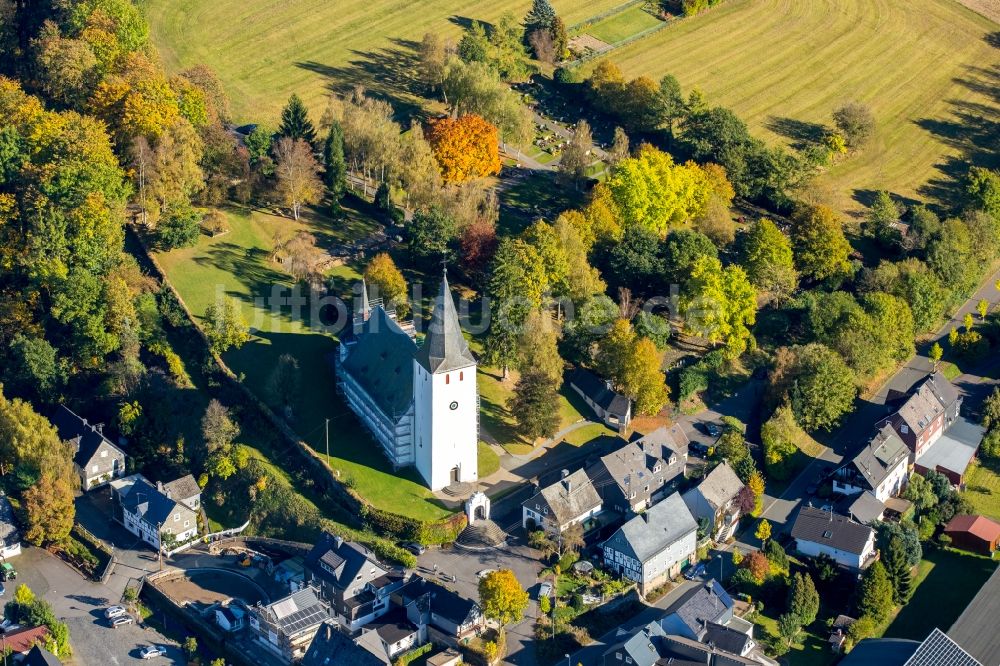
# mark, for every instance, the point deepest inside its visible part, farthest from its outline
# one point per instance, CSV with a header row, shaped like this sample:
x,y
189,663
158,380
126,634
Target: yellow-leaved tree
x,y
467,147
386,281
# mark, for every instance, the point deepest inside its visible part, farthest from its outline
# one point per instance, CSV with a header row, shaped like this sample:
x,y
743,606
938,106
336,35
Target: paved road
x,y
80,604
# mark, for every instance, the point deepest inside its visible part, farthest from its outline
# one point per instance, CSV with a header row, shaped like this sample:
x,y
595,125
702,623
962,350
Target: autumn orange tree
x,y
465,148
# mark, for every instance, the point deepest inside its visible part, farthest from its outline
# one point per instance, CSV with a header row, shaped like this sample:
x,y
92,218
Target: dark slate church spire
x,y
444,348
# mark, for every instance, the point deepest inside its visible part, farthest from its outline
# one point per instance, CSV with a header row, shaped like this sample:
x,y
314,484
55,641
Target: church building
x,y
420,403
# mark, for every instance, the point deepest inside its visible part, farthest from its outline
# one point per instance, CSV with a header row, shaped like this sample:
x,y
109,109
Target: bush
x,y
179,228
568,559
215,222
412,655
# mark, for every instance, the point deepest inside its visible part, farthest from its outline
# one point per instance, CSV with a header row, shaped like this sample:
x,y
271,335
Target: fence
x,y
597,18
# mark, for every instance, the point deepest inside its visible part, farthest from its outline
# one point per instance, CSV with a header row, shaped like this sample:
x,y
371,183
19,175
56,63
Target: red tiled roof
x,y
979,526
22,640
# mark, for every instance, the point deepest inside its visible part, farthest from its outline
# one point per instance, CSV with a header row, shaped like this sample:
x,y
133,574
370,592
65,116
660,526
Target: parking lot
x,y
80,603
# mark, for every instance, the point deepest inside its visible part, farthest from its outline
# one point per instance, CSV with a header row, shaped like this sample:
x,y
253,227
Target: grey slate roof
x,y
631,469
976,628
144,500
643,645
39,656
650,533
332,648
701,605
296,612
443,602
340,562
940,650
444,348
726,639
665,440
9,534
864,507
183,489
87,440
567,498
955,448
831,529
720,486
873,463
598,391
680,649
381,361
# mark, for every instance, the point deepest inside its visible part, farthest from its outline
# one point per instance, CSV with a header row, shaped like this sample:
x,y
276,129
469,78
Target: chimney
x,y
99,428
338,541
159,486
567,484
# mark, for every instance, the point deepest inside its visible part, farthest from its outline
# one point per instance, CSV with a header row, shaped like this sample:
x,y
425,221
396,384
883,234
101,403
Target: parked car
x,y
152,651
696,571
121,621
483,573
7,571
414,547
545,590
114,611
713,429
3,590
8,625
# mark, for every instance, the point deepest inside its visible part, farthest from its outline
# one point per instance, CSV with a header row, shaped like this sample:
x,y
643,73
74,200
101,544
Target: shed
x,y
976,533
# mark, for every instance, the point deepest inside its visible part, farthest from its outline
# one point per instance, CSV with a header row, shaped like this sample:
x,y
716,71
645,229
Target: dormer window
x,y
905,428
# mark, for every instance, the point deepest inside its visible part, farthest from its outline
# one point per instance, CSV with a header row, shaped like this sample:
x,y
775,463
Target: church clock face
x,y
453,406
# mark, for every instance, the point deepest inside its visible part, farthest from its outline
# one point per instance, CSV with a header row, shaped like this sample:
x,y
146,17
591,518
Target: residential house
x,y
95,459
331,647
438,611
938,649
389,636
642,472
287,626
351,579
924,413
821,531
976,628
39,656
706,614
184,490
953,452
654,546
10,536
571,500
447,657
150,515
978,534
881,467
21,641
230,618
650,645
715,500
610,406
838,632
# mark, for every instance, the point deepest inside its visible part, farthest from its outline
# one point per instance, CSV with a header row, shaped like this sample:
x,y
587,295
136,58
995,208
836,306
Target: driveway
x,y
440,565
80,603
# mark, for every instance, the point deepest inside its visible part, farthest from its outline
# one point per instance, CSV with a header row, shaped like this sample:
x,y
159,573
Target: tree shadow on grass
x,y
801,133
972,130
388,73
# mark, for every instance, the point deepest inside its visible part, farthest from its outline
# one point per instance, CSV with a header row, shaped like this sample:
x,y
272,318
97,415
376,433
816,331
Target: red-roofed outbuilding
x,y
976,533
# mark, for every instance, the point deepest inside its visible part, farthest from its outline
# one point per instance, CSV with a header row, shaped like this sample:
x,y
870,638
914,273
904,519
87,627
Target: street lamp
x,y
567,660
720,567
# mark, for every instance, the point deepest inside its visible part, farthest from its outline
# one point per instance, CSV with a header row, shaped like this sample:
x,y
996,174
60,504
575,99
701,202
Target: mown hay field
x,y
264,50
929,69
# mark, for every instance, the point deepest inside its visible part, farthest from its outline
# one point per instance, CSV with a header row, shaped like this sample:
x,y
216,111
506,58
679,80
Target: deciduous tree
x,y
49,510
766,255
821,250
537,348
384,279
225,326
720,305
465,148
576,156
502,597
818,383
856,122
298,174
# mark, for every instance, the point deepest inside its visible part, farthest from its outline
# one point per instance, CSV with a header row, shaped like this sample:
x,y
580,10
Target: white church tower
x,y
446,400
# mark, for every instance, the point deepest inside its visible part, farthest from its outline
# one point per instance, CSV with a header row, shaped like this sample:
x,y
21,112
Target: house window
x,y
618,655
104,454
94,469
187,523
628,660
177,517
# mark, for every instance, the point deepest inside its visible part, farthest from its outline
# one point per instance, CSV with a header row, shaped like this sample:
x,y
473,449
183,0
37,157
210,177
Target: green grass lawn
x,y
946,581
982,488
623,25
923,66
265,51
489,461
808,649
236,265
